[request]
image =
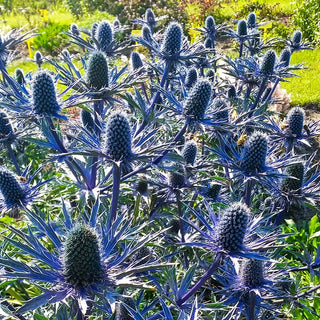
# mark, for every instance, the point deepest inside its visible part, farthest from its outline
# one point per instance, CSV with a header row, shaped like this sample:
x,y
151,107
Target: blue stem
x,y
247,192
216,263
273,90
259,94
14,159
116,174
240,49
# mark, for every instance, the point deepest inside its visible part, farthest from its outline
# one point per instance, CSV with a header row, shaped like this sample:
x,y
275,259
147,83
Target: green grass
x,y
305,88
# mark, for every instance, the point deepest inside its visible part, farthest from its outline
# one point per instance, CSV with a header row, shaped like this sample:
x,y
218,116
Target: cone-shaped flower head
x,y
252,273
208,43
296,38
82,264
198,100
43,92
5,126
104,34
191,78
255,152
251,20
38,58
87,120
146,33
232,93
213,191
189,152
172,39
97,71
210,24
12,190
116,23
295,119
74,29
176,177
221,105
142,186
150,18
121,311
232,227
118,137
136,61
285,57
18,74
296,171
268,62
94,29
242,28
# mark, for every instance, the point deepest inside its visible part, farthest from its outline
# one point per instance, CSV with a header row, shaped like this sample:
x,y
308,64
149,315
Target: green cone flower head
x,y
19,76
118,137
198,100
268,62
189,152
242,28
191,78
232,227
296,171
251,20
82,264
210,24
252,273
295,119
176,177
255,152
285,57
97,71
11,189
172,39
136,61
43,92
104,35
87,120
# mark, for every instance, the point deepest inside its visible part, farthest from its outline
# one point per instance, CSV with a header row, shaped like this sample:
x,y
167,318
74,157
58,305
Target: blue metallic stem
x,y
116,175
273,90
259,94
247,192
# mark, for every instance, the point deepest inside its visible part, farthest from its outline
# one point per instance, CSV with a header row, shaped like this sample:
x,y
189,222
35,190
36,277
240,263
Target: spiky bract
x,y
172,40
12,190
118,137
121,311
136,61
104,35
255,152
221,106
43,92
74,29
191,78
296,171
97,71
82,264
189,152
242,28
295,119
232,227
150,18
268,62
198,100
252,273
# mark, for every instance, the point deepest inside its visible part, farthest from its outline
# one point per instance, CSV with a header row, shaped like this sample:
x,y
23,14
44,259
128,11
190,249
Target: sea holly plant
x,y
172,183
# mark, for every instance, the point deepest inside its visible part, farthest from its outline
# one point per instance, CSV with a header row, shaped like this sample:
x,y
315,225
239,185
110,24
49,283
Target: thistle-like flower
x,y
242,29
150,18
294,182
189,152
104,35
38,59
295,119
176,178
7,136
118,137
268,63
191,78
251,20
252,273
87,120
285,57
43,92
172,40
97,71
74,29
19,75
135,59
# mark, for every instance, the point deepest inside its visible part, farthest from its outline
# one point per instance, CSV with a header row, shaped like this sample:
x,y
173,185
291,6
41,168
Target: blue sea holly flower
x,y
84,261
189,152
97,71
104,35
7,136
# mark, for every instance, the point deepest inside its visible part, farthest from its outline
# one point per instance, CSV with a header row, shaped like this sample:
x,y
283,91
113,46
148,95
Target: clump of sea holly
x,y
295,119
82,264
255,152
12,190
97,71
232,227
189,152
43,93
172,40
295,181
252,273
118,137
198,100
104,35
